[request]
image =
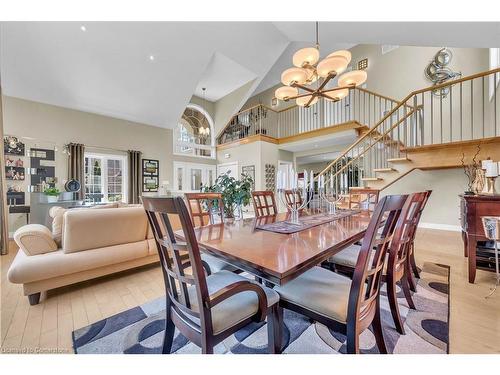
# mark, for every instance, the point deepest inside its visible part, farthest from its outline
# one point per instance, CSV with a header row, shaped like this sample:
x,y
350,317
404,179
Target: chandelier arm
x,y
305,88
310,100
326,80
350,87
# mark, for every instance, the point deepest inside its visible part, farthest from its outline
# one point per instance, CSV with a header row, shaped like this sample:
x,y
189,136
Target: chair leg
x,y
393,303
413,263
274,328
168,339
352,339
409,274
406,290
207,349
378,331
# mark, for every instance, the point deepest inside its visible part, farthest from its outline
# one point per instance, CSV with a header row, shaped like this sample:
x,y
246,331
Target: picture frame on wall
x,y
13,146
150,175
149,184
150,167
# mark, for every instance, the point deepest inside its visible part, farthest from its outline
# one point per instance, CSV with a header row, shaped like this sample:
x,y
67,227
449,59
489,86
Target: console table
x,y
472,208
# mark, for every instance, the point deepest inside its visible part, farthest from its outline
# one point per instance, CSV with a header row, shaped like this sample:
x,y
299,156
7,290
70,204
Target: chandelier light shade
x,y
285,92
343,52
305,56
303,100
353,78
309,69
331,65
294,75
337,94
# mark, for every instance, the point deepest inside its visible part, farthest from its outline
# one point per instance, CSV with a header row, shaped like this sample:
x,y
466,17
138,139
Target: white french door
x,y
190,177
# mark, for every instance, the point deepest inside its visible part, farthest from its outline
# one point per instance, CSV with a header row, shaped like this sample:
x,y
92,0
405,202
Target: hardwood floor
x,y
47,327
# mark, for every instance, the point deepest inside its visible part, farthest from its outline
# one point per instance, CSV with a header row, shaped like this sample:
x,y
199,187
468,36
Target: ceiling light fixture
x,y
83,28
308,69
151,57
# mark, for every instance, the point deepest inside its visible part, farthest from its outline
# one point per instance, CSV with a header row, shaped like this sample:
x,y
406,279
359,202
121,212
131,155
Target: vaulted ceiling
x,y
148,71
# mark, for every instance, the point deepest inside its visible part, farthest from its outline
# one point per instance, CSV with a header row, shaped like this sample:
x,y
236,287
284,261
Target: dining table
x,y
274,257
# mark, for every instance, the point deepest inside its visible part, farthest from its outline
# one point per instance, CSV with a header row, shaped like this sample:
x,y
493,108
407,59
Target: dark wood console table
x,y
472,208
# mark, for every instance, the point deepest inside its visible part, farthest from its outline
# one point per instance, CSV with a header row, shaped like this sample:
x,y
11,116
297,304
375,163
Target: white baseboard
x,y
453,228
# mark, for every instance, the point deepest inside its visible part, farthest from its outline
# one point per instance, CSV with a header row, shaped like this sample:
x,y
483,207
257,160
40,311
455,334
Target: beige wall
x,y
315,167
50,126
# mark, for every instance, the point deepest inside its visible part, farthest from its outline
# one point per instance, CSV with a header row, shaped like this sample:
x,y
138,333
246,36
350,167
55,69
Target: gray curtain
x,y
4,232
76,166
134,176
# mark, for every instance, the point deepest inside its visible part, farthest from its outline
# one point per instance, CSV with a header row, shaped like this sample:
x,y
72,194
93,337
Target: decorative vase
x,y
52,198
238,212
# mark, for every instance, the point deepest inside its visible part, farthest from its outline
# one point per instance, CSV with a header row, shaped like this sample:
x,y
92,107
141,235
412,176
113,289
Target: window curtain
x,y
76,166
134,176
4,231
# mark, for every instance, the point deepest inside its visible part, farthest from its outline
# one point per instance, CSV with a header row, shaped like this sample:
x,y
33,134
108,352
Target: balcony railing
x,y
360,106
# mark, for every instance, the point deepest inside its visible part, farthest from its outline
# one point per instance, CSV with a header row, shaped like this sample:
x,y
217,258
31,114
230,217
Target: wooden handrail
x,y
408,97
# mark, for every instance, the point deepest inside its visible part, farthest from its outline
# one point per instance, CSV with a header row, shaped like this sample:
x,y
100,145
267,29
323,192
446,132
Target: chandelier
x,y
308,69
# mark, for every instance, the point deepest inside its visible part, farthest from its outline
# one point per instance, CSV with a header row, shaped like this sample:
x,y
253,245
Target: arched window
x,y
194,134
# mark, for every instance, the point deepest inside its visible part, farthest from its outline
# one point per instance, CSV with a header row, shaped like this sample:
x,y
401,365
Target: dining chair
x,y
264,203
293,198
205,309
204,208
398,267
344,305
411,256
363,199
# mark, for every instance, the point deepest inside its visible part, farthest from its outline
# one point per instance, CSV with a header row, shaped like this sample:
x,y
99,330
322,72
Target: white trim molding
x,y
452,228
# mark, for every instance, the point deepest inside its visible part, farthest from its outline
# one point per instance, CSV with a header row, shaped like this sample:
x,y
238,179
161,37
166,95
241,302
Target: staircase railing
x,y
460,110
362,106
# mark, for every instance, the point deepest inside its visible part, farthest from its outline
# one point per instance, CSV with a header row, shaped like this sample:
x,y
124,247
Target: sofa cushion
x,y
91,229
57,215
26,269
35,239
101,206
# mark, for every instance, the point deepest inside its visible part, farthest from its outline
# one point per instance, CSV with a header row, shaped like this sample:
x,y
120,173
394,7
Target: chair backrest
x,y
365,285
203,207
404,234
264,203
293,198
363,199
175,263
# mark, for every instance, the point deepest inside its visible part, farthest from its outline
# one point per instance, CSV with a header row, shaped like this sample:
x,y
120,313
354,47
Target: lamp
x,y
491,174
308,69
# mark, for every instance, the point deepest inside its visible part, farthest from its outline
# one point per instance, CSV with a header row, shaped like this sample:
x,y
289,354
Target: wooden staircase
x,y
418,134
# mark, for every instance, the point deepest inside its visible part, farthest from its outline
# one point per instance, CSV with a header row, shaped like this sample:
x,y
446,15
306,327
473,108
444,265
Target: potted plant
x,y
52,194
235,193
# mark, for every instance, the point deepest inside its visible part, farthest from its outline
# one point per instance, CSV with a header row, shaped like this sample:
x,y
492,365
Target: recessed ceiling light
x,y
151,57
83,28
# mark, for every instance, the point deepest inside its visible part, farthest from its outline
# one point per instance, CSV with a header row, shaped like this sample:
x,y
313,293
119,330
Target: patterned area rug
x,y
140,329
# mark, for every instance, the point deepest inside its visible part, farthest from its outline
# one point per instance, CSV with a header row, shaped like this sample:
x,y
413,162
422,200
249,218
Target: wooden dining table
x,y
275,257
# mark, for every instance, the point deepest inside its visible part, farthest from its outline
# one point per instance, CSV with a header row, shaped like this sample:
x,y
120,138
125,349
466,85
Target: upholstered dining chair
x,y
363,199
264,203
204,209
292,198
205,309
411,256
345,305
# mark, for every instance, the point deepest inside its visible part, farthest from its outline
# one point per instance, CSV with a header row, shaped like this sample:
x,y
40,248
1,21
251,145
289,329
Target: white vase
x,y
52,198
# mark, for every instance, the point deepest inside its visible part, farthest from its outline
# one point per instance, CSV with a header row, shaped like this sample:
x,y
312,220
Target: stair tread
x,y
395,160
371,178
384,170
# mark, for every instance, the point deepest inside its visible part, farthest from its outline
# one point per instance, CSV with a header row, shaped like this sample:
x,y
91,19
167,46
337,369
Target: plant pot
x,y
52,198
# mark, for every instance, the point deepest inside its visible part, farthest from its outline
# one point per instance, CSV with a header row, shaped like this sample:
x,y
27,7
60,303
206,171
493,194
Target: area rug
x,y
140,329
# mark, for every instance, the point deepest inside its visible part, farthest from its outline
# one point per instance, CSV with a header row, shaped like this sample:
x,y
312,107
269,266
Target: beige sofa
x,y
92,243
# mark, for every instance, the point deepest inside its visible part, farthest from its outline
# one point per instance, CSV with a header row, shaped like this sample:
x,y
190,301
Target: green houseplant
x,y
52,194
235,193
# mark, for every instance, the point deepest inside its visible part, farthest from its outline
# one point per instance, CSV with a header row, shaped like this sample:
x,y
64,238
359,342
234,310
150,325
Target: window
x,y
105,178
193,135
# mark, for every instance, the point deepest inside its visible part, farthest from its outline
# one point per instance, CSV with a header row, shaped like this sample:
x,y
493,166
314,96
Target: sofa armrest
x,y
35,239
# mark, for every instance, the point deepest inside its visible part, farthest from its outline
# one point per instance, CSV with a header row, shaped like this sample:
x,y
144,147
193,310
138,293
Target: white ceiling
x,y
107,70
320,158
222,77
340,138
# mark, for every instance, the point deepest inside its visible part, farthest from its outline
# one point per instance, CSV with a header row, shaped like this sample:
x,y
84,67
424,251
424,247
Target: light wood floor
x,y
47,327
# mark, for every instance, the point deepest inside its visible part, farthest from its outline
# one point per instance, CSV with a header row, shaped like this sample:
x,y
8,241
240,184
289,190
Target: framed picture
x,y
14,173
150,175
13,146
149,184
249,170
150,167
